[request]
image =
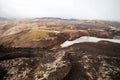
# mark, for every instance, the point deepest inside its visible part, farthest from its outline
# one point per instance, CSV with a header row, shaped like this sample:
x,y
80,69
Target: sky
x,y
79,9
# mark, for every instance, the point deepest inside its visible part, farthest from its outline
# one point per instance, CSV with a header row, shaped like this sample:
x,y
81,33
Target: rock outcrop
x,y
33,64
91,61
82,61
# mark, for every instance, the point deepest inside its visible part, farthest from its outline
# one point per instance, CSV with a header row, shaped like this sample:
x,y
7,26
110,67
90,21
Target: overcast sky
x,y
81,9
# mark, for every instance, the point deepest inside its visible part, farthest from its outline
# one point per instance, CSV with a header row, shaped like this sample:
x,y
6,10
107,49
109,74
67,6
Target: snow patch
x,y
56,31
113,28
86,39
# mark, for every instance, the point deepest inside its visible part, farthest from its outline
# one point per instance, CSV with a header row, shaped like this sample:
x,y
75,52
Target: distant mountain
x,y
55,18
2,18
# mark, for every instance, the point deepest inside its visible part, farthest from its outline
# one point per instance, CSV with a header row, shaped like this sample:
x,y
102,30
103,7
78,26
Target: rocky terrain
x,y
41,32
30,49
83,61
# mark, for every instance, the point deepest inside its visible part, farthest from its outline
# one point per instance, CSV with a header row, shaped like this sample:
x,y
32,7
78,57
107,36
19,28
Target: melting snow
x,y
86,39
113,28
56,31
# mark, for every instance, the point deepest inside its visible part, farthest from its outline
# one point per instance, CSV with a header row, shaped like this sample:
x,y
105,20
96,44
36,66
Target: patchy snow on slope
x,y
56,31
113,28
86,39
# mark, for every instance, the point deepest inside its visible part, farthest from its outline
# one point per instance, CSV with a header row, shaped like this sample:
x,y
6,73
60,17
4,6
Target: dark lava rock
x,y
33,64
82,61
94,61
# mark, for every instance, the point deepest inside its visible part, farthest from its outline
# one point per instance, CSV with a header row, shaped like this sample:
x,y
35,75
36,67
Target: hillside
x,y
59,49
37,32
